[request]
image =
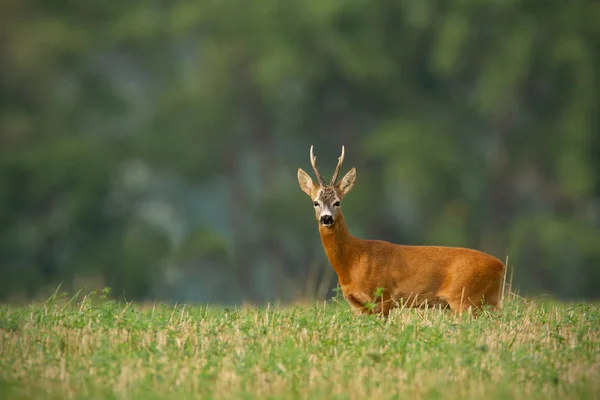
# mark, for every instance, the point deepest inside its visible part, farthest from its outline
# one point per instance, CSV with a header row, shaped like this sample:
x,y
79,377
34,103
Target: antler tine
x,y
313,162
337,168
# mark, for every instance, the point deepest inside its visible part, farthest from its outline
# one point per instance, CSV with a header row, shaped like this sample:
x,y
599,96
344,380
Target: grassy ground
x,y
92,349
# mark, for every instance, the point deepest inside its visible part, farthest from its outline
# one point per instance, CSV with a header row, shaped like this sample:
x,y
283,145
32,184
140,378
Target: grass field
x,y
93,348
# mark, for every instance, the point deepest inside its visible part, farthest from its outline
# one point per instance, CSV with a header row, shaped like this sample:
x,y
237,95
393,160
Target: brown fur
x,y
413,276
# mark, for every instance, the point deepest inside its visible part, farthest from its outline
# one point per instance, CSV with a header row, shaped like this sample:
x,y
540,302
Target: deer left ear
x,y
306,184
347,182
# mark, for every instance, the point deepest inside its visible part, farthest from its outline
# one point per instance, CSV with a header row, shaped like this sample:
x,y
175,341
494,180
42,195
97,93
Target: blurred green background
x,y
152,147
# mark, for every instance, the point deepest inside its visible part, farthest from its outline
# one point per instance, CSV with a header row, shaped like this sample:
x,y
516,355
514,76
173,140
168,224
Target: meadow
x,y
92,347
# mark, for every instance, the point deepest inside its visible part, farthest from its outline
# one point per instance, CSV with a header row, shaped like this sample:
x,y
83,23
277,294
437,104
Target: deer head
x,y
326,198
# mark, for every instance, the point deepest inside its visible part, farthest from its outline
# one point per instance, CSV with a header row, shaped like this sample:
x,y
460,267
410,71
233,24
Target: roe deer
x,y
415,276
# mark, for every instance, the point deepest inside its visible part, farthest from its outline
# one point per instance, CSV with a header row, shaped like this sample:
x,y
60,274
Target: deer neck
x,y
338,244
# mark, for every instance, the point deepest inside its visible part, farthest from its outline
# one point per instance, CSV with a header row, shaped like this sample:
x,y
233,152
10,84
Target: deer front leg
x,y
367,306
356,305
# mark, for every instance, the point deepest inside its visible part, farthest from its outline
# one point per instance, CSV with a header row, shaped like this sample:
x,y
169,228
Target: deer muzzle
x,y
326,219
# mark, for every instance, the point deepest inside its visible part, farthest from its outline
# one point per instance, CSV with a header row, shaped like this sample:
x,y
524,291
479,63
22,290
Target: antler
x,y
337,168
313,162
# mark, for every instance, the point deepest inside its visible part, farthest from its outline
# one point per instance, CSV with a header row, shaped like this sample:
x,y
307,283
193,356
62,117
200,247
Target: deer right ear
x,y
347,182
306,184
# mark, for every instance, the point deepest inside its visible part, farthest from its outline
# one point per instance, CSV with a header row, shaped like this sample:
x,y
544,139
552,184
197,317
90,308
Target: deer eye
x,y
336,204
316,204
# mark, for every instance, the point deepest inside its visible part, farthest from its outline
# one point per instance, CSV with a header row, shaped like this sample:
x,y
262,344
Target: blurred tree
x,y
157,144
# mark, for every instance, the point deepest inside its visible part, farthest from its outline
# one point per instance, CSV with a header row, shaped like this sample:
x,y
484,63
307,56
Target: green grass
x,y
105,349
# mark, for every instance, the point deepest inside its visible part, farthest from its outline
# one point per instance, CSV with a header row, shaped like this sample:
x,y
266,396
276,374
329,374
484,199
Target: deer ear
x,y
306,184
347,182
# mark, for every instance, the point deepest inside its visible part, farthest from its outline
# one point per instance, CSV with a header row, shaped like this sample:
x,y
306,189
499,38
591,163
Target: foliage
x,y
153,147
94,348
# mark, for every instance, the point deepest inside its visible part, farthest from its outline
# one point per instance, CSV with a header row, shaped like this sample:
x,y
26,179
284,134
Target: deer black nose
x,y
326,219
